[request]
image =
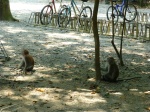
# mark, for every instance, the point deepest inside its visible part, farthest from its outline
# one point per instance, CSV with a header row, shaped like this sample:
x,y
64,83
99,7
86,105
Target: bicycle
x,y
128,11
48,11
65,13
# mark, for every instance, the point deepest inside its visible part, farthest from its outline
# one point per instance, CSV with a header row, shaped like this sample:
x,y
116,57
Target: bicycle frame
x,y
125,9
74,5
65,14
121,6
53,6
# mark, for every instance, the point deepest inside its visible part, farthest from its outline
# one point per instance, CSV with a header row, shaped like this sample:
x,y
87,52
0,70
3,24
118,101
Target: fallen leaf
x,y
2,105
148,108
40,90
93,92
34,101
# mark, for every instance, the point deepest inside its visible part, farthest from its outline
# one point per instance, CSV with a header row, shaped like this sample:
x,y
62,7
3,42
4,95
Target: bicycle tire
x,y
64,17
130,12
86,12
46,13
114,15
61,7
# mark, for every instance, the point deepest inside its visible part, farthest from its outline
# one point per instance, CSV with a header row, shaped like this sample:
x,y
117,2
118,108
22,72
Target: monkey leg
x,y
107,78
29,69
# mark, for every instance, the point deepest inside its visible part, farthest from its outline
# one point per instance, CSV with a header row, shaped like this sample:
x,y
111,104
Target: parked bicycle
x,y
66,13
124,9
48,11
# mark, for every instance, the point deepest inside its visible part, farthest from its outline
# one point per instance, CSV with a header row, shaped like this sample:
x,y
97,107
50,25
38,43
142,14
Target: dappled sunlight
x,y
25,78
62,35
64,70
36,94
7,92
14,30
137,92
16,97
81,90
137,63
147,92
134,89
69,43
128,51
90,100
61,45
85,96
118,94
43,68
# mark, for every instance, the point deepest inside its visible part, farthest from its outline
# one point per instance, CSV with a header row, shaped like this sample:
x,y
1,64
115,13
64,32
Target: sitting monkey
x,y
112,71
27,63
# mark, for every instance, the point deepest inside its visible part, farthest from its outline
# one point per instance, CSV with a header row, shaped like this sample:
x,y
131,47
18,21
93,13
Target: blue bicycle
x,y
66,13
128,11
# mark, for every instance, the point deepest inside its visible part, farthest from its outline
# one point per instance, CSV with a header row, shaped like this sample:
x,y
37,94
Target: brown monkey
x,y
27,63
112,71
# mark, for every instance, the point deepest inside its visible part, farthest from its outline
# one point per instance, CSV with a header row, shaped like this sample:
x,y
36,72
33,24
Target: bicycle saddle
x,y
84,0
114,0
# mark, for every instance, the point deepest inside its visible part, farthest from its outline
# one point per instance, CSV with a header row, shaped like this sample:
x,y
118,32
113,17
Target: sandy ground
x,y
64,71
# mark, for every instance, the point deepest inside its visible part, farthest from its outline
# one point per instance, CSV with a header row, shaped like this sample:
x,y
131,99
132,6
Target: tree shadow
x,y
64,65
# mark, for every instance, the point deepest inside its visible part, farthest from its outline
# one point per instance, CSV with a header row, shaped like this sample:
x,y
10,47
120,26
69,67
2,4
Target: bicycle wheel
x,y
113,15
64,17
46,15
86,12
130,12
61,7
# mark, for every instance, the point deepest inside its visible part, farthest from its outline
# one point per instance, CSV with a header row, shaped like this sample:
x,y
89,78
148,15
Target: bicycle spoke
x,y
113,15
86,12
46,14
130,12
64,17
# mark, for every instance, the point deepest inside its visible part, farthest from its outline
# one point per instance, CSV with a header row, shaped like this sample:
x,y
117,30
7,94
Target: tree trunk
x,y
113,35
5,13
97,43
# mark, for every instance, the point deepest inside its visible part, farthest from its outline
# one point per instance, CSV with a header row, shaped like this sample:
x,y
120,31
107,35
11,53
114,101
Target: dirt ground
x,y
64,72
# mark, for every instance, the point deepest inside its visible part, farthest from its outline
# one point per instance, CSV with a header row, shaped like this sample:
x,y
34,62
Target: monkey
x,y
112,71
27,62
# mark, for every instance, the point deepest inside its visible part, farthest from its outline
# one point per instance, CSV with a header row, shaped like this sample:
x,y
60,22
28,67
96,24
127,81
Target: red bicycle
x,y
48,11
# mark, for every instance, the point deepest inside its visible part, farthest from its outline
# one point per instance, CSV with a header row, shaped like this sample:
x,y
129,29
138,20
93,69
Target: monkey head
x,y
111,60
25,52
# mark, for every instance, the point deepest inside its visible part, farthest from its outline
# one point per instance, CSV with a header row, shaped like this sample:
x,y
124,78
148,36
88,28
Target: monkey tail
x,y
127,79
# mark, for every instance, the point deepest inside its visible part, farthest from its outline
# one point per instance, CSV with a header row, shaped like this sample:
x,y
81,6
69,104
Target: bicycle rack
x,y
81,25
88,25
147,27
34,16
54,20
73,22
3,54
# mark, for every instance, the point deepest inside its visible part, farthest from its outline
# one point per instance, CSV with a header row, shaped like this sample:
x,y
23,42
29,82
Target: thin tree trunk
x,y
113,34
97,41
119,54
122,36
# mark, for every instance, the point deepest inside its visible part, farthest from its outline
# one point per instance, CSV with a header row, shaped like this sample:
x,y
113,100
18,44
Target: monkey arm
x,y
21,64
104,69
